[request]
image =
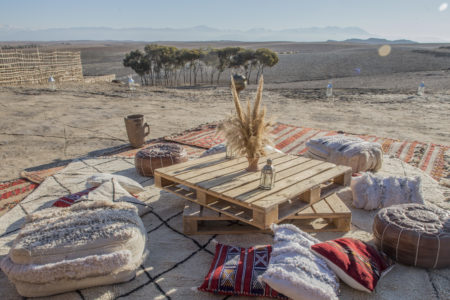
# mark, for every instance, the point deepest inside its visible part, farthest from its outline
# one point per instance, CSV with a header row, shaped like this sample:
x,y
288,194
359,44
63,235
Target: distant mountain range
x,y
376,41
198,33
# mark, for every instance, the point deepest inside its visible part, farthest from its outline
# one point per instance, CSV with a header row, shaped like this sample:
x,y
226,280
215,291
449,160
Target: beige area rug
x,y
177,263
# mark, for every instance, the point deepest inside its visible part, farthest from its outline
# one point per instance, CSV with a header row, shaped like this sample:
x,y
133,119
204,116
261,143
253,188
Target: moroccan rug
x,y
39,174
11,192
177,263
291,139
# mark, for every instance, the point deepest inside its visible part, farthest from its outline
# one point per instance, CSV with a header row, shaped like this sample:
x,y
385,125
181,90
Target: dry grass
x,y
247,132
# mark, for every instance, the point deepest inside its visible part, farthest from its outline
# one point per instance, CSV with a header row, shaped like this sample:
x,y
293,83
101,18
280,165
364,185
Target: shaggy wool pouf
x,y
88,244
372,191
348,151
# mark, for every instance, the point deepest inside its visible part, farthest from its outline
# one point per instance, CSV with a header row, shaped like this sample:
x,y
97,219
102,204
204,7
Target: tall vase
x,y
252,164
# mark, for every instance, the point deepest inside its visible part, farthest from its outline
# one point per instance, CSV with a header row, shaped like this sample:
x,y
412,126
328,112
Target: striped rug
x,y
11,192
428,157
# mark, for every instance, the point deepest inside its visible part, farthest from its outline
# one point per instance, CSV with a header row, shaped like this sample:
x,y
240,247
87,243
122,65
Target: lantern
x,y
229,153
131,86
267,176
51,83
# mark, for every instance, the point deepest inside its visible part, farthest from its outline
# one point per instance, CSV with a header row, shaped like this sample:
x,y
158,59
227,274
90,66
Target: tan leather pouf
x,y
414,234
158,156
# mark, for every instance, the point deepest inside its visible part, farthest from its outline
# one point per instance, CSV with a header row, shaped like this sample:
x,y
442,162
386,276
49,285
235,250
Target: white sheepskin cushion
x,y
372,191
348,151
127,183
85,245
214,150
111,190
294,270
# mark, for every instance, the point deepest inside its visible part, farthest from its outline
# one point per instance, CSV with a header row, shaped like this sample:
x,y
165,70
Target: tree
x,y
225,57
137,61
265,58
246,59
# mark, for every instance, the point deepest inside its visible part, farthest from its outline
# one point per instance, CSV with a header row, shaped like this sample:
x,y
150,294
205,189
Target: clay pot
x,y
252,164
136,130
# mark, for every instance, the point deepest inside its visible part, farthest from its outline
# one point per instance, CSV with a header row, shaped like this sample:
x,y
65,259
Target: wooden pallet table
x,y
224,186
328,214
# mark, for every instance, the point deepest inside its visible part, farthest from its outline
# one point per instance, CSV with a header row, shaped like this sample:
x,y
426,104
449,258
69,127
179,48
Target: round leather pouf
x,y
158,156
414,234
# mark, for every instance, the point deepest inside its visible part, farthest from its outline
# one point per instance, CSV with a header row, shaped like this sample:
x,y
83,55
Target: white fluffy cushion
x,y
222,148
87,244
294,270
214,150
372,191
348,151
127,183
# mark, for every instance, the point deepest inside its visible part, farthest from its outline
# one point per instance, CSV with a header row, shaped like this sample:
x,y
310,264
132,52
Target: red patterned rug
x,y
291,139
11,192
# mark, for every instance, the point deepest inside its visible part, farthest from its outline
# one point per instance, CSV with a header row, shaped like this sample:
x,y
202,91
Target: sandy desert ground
x,y
40,126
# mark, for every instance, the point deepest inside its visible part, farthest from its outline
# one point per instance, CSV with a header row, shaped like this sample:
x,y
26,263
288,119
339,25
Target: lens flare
x,y
443,6
384,50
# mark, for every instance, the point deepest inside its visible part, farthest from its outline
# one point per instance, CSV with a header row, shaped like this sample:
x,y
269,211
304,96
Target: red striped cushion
x,y
235,271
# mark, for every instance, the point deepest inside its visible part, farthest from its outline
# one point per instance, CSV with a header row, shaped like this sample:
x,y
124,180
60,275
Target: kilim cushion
x,y
356,263
235,271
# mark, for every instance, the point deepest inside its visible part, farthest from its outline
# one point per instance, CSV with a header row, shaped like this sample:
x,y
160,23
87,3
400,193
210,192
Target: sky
x,y
422,20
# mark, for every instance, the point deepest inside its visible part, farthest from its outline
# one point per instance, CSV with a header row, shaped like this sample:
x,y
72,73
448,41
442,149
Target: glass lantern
x,y
229,152
267,176
131,86
51,83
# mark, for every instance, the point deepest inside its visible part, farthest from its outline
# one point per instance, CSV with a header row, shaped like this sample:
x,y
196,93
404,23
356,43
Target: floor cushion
x,y
108,191
158,156
84,245
128,184
356,263
372,191
348,151
414,234
235,271
293,268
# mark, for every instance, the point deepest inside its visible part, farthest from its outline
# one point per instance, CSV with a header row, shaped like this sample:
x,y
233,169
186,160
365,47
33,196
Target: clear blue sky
x,y
389,18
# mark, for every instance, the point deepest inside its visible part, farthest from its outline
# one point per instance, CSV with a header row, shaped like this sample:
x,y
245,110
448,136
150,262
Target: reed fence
x,y
32,66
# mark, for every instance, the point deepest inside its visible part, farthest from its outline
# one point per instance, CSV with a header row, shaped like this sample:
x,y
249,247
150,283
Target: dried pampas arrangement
x,y
247,132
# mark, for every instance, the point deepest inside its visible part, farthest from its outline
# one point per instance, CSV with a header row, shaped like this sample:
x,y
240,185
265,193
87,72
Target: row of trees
x,y
168,65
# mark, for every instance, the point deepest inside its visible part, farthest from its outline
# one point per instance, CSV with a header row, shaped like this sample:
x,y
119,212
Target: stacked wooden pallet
x,y
223,191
